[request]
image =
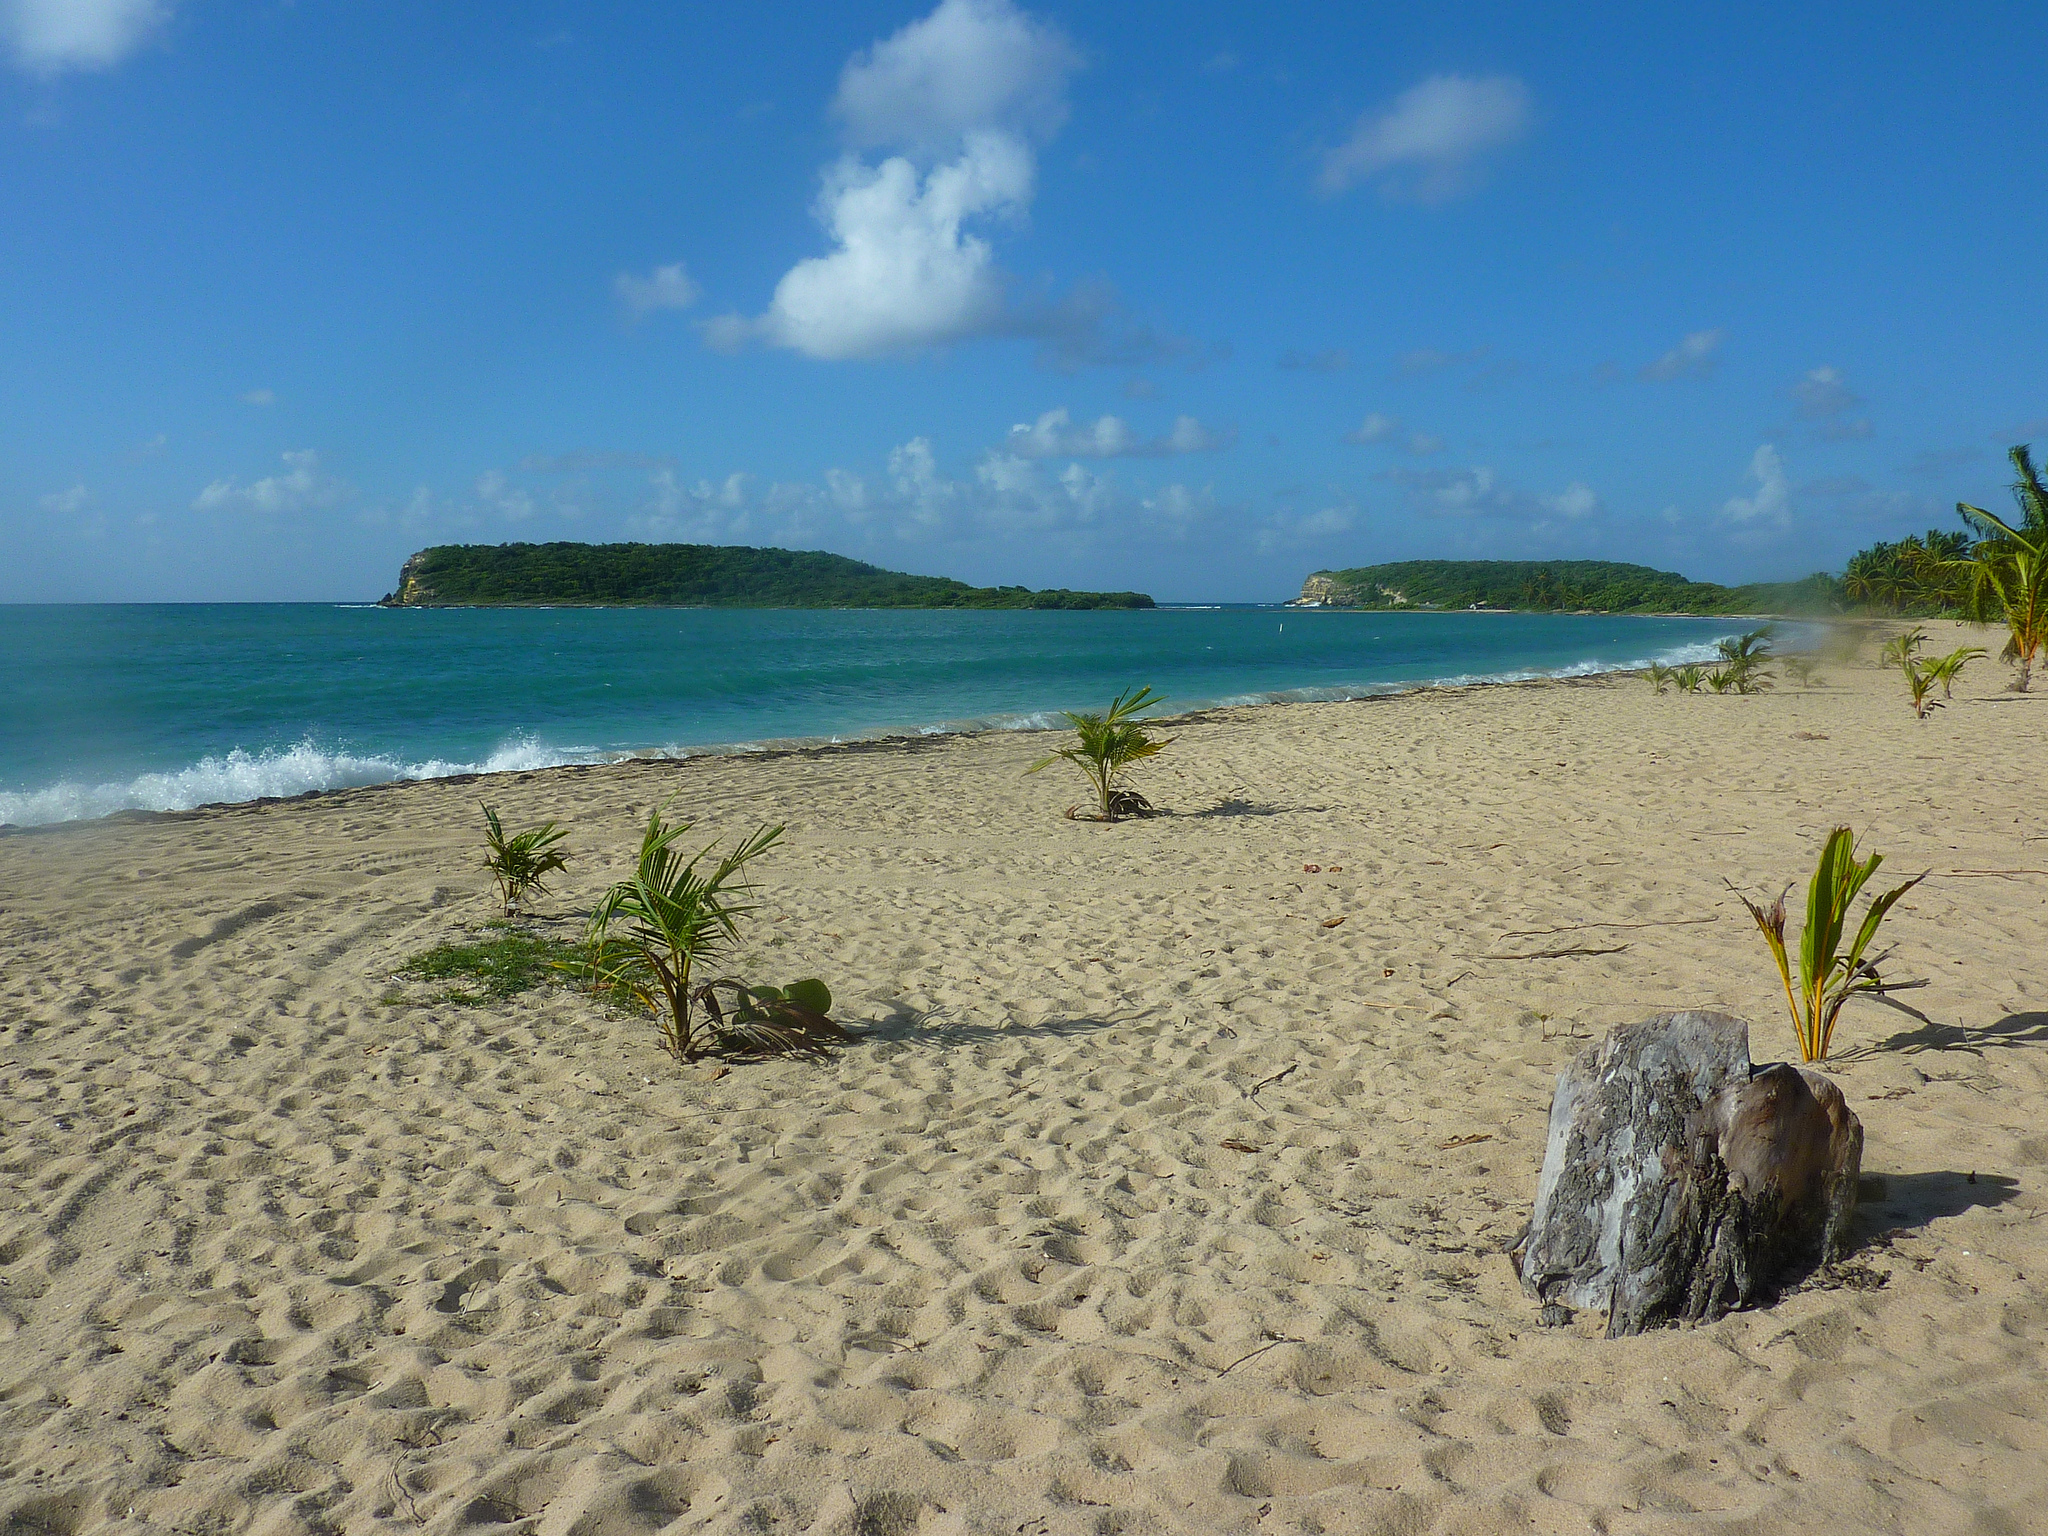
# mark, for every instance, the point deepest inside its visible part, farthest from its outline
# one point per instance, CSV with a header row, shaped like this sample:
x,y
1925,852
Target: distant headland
x,y
694,576
1557,586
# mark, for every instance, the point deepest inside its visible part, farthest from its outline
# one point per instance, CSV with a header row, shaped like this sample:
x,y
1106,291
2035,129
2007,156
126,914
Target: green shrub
x,y
1105,746
1828,974
520,863
654,934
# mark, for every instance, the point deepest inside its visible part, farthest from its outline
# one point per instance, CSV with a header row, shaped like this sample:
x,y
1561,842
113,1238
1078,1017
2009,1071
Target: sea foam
x,y
276,772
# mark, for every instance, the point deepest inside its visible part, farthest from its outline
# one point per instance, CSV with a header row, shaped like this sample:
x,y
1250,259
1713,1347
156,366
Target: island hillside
x,y
1601,586
694,576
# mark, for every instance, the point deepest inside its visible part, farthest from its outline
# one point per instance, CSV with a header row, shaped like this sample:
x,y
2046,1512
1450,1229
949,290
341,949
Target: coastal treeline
x,y
696,576
1990,569
1565,586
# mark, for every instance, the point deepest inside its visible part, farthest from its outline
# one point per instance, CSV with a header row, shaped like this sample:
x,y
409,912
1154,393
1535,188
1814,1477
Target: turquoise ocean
x,y
108,708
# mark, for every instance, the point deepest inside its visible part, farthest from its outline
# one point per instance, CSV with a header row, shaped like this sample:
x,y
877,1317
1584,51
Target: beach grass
x,y
502,963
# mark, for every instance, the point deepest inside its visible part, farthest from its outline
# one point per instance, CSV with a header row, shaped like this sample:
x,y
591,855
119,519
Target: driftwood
x,y
1680,1181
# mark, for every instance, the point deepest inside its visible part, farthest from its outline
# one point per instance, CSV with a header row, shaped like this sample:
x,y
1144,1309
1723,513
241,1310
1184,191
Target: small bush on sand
x,y
503,964
1804,670
1660,677
1828,974
1687,679
655,934
1920,680
1743,662
1899,650
522,862
1946,669
1104,748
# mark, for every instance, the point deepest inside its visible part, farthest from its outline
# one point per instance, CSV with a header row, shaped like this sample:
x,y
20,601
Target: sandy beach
x,y
1167,1190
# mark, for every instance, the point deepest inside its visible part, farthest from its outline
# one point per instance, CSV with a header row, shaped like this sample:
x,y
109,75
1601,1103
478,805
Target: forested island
x,y
1558,586
694,576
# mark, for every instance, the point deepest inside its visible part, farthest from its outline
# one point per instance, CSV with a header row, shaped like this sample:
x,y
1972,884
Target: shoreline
x,y
776,748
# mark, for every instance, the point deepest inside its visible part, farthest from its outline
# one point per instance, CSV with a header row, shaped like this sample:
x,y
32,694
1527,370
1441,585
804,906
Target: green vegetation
x,y
1742,662
1548,586
2005,575
1899,650
654,933
1889,577
1803,670
520,863
1993,571
1920,681
1828,974
1946,669
695,576
1105,746
489,970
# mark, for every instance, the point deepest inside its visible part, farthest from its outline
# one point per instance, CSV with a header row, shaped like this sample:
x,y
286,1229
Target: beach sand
x,y
1149,1202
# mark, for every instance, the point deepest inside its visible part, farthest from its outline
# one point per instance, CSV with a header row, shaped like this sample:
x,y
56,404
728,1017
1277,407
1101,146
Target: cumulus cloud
x,y
1428,143
956,102
1825,399
303,484
906,272
666,287
48,37
1575,501
1057,435
496,493
1770,504
1692,358
1378,428
258,397
972,66
916,500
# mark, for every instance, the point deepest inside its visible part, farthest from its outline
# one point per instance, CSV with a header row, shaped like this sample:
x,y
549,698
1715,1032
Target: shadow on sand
x,y
906,1025
1915,1199
2012,1030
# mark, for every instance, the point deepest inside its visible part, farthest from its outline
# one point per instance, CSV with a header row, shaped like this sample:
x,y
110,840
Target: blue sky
x,y
1183,298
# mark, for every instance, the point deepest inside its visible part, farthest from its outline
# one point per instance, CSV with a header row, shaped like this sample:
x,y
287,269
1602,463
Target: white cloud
x,y
51,36
1825,399
1056,435
971,66
303,484
1575,501
666,287
498,494
1427,360
67,503
1771,504
906,274
258,397
1378,428
1473,491
1431,137
959,97
1692,358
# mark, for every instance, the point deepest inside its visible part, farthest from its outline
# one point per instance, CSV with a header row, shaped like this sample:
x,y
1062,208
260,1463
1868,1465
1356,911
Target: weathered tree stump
x,y
1680,1181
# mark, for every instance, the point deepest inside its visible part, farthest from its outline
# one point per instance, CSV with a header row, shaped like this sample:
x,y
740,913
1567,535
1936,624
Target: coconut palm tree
x,y
1105,746
2005,574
